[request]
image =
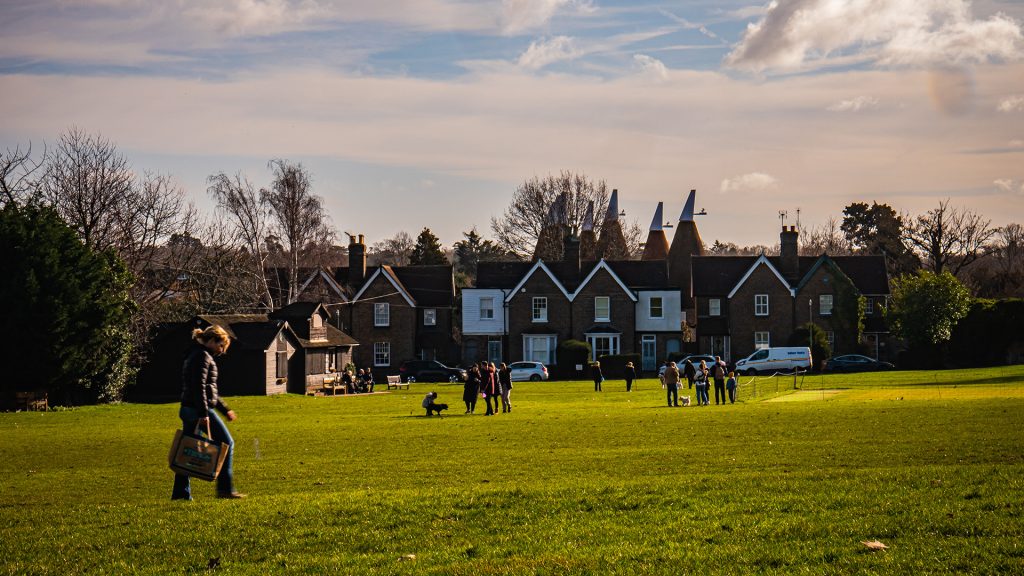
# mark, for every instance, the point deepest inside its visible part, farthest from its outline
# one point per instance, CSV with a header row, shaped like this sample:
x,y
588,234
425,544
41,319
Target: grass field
x,y
571,482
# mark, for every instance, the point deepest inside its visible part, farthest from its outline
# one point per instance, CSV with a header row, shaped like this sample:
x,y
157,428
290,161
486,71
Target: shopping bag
x,y
197,456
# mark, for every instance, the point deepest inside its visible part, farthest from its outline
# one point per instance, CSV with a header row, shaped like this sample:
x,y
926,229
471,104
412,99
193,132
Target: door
x,y
720,347
494,351
649,352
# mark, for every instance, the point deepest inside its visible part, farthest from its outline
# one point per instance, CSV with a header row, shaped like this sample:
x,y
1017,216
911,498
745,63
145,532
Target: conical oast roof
x,y
686,243
656,247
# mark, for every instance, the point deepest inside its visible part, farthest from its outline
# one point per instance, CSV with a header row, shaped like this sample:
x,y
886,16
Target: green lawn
x,y
929,463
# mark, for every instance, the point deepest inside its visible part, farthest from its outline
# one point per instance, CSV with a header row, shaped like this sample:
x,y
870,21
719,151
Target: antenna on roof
x,y
798,217
782,217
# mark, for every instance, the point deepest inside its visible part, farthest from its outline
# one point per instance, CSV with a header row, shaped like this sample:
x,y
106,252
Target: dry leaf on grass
x,y
875,545
408,557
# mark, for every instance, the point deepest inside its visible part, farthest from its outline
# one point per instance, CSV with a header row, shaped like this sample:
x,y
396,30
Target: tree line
x,y
99,254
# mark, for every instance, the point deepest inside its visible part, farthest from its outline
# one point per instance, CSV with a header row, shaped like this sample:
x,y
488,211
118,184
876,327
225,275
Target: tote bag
x,y
197,456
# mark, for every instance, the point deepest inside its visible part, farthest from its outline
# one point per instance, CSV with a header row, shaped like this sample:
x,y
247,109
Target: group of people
x,y
491,382
359,383
700,376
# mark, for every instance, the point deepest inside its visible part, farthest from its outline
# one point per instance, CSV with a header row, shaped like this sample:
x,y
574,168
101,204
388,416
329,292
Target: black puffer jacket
x,y
199,382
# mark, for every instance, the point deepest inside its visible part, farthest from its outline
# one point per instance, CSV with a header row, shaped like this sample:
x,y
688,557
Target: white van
x,y
781,359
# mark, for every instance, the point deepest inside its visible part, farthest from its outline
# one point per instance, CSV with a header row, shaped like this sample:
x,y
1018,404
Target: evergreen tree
x,y
68,311
926,306
473,250
427,250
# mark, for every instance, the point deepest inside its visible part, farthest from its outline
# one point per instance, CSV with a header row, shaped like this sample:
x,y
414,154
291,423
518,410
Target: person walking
x,y
505,380
630,375
492,389
200,404
595,373
689,372
718,372
672,384
471,388
701,381
730,386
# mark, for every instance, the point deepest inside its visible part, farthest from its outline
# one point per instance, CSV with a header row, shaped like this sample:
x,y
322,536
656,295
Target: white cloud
x,y
1012,104
542,53
519,16
795,33
854,104
752,182
1015,143
1009,186
650,66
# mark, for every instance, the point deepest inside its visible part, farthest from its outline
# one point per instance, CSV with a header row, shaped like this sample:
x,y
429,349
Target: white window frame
x,y
869,306
613,349
487,308
825,304
760,305
382,353
430,316
714,306
762,340
660,308
551,342
381,314
598,317
540,309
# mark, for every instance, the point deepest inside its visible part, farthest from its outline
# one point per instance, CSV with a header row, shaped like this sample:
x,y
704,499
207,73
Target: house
x,y
322,348
523,310
744,303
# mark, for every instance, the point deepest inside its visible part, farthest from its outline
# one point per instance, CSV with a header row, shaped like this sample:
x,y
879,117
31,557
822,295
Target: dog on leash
x,y
686,400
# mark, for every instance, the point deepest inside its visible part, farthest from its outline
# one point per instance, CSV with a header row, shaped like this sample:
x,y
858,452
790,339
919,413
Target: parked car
x,y
532,371
855,363
696,358
429,371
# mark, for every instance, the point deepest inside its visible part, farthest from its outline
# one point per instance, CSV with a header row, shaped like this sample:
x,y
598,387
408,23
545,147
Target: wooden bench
x,y
32,401
395,382
333,385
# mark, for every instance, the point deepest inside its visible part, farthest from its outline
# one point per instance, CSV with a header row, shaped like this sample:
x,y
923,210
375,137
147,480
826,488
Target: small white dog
x,y
686,400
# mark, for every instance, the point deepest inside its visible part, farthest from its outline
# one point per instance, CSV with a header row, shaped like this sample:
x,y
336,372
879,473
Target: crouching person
x,y
431,406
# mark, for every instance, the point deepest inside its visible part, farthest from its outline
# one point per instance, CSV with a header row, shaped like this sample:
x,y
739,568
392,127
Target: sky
x,y
429,113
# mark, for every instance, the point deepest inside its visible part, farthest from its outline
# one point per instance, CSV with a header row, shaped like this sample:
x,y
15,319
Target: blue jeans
x,y
225,482
702,393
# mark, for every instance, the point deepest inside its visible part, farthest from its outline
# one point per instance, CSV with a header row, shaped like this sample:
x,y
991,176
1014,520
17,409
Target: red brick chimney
x,y
356,260
788,258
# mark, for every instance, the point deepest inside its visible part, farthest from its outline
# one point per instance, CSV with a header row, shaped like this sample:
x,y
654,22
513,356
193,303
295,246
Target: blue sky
x,y
428,113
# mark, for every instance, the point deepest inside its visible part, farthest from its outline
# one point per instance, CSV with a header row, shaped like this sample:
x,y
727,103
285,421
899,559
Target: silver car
x,y
532,371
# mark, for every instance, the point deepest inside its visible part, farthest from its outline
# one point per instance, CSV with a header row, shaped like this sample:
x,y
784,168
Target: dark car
x,y
855,363
429,371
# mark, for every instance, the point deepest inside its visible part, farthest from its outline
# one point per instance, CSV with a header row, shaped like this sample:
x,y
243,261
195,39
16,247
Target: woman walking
x,y
702,384
505,380
200,403
491,387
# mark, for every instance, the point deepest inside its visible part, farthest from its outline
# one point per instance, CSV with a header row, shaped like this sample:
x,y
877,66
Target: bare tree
x,y
950,238
299,217
250,221
18,173
87,181
395,251
518,230
826,239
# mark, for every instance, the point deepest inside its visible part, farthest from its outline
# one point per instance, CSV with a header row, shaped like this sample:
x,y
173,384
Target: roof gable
x,y
539,265
822,261
386,272
602,265
762,260
328,279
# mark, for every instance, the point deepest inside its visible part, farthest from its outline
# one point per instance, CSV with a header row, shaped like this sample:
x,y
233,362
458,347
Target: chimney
x,y
571,255
356,260
788,259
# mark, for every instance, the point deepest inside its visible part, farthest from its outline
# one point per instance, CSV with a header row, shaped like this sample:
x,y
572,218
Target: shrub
x,y
571,353
820,350
613,365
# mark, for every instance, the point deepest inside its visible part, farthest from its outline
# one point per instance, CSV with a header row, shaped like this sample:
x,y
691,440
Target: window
x,y
825,304
831,340
657,309
382,353
540,309
760,304
602,309
603,345
429,316
494,351
539,349
487,308
761,340
382,314
715,307
282,357
869,306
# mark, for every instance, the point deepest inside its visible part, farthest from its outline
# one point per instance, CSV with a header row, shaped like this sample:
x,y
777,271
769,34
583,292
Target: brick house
x,y
748,302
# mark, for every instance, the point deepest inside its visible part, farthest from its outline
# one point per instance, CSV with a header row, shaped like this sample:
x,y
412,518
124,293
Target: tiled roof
x,y
428,285
718,275
635,274
868,273
501,274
